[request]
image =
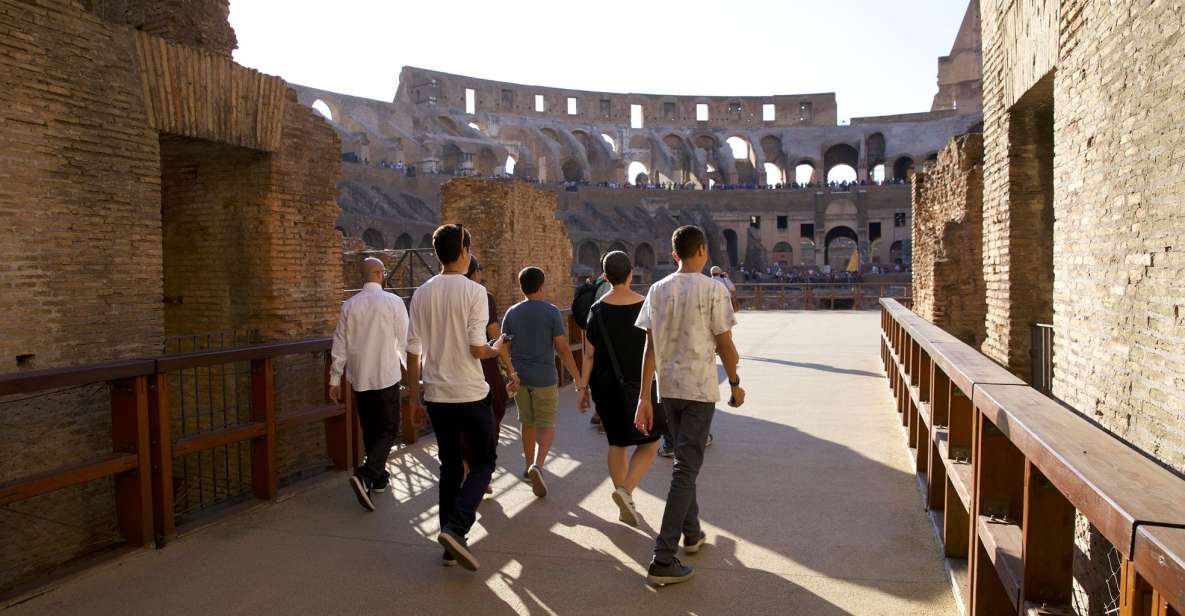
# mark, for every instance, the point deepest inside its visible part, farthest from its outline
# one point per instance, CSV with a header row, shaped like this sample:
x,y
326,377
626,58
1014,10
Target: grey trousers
x,y
689,421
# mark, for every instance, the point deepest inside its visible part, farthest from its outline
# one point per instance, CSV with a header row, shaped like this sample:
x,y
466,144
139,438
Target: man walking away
x,y
688,320
449,314
368,345
535,333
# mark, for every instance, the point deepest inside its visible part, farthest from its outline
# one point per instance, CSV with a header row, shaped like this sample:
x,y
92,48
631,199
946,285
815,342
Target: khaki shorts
x,y
537,405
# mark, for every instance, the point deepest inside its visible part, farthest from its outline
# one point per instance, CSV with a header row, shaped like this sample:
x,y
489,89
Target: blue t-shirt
x,y
534,325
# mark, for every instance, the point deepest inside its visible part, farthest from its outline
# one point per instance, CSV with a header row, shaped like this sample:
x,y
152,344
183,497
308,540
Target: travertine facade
x,y
151,188
514,225
948,285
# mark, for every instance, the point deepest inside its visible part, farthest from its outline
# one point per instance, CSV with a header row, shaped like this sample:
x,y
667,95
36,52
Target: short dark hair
x,y
617,267
448,241
530,279
474,266
687,241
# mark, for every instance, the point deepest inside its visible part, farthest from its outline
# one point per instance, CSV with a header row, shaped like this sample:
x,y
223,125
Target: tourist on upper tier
x,y
612,362
499,388
449,316
534,332
688,321
368,345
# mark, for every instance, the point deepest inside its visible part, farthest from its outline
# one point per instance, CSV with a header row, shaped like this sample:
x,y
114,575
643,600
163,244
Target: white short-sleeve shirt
x,y
449,313
684,313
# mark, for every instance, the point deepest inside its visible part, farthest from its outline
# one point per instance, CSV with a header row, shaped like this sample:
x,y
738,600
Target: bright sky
x,y
878,57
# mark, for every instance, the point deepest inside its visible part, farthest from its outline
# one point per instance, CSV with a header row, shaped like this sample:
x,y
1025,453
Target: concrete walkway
x,y
807,497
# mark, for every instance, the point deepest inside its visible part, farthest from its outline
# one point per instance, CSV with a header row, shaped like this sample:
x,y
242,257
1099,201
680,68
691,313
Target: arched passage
x,y
840,155
450,159
572,171
783,253
804,173
589,255
373,238
426,241
732,247
838,247
903,168
403,242
509,166
742,154
644,256
634,170
619,245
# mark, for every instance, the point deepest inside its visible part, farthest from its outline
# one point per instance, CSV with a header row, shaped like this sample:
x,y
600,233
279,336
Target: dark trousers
x,y
460,494
378,412
689,422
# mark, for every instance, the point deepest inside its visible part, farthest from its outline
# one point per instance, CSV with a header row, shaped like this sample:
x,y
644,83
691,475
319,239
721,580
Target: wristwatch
x,y
737,383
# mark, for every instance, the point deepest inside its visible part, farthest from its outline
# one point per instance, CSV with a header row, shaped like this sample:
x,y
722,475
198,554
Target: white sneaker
x,y
625,506
535,474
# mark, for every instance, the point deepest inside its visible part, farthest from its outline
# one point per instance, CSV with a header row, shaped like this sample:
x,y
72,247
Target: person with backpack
x,y
613,353
587,294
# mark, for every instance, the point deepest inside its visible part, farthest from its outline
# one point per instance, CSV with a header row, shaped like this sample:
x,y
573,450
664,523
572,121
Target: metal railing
x,y
1006,467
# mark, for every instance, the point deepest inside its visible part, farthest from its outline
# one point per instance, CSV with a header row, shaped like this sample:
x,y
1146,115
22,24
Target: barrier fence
x,y
1005,468
817,296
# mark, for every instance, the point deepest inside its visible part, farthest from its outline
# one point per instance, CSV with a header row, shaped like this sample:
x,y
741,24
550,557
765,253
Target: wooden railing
x,y
1005,468
143,447
809,296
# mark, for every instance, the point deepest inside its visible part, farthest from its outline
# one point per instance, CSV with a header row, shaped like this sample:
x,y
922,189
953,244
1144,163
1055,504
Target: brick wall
x,y
84,199
513,225
948,287
1113,194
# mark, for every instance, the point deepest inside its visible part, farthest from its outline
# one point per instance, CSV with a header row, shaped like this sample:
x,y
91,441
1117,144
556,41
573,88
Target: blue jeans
x,y
689,422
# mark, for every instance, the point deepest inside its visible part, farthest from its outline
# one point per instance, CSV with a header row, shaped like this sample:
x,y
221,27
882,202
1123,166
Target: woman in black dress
x,y
612,367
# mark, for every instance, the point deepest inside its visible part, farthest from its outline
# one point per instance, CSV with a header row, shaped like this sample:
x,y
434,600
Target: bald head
x,y
372,270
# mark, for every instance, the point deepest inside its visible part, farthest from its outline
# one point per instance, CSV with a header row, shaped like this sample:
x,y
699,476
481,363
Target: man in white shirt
x,y
449,314
369,344
688,320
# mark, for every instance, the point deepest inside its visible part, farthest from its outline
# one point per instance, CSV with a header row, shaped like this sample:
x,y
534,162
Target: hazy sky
x,y
878,57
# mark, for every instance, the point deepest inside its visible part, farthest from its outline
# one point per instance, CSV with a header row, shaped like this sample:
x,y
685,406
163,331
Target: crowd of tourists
x,y
649,370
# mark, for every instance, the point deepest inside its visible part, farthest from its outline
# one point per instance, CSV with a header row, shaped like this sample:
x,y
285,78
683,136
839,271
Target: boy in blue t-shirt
x,y
535,333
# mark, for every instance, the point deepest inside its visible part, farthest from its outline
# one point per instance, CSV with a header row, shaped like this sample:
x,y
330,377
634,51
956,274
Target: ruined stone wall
x,y
195,23
948,285
514,225
1103,76
85,101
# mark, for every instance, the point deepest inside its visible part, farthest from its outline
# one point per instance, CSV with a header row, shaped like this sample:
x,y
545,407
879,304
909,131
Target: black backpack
x,y
582,301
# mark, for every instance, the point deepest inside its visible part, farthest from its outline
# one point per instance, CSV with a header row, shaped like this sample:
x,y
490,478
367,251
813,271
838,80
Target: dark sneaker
x,y
361,489
458,549
448,560
673,572
666,450
709,443
535,474
691,546
380,487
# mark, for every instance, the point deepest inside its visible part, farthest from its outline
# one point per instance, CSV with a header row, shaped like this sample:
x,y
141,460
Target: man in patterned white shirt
x,y
369,345
688,319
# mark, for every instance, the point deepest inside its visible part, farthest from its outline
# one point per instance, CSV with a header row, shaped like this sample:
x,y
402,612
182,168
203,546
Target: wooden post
x,y
339,437
161,440
263,448
1047,542
956,524
129,434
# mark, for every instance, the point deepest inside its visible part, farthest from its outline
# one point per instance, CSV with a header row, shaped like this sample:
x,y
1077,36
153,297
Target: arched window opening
x,y
322,108
807,250
774,174
783,253
426,241
634,170
740,148
644,256
838,248
878,173
572,171
510,163
804,174
403,242
903,168
841,174
373,239
610,141
590,256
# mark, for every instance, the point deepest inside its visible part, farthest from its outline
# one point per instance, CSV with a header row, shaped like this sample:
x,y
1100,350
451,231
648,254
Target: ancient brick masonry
x,y
149,188
514,225
948,285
